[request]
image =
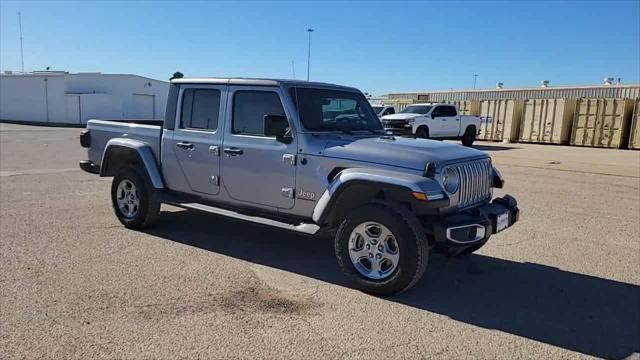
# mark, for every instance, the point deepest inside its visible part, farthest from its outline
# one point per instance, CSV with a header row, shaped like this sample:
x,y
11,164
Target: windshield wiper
x,y
373,131
346,131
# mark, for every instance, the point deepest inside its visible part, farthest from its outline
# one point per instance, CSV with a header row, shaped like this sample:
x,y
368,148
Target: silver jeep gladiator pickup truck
x,y
306,157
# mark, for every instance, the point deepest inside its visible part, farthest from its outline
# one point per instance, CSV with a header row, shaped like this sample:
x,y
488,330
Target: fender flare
x,y
400,184
142,151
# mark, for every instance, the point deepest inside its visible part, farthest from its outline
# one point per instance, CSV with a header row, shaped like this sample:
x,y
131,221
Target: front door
x,y
197,138
446,121
256,168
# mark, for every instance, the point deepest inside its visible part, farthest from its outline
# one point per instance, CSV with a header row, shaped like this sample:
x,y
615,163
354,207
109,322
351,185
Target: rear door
x,y
257,169
446,121
197,138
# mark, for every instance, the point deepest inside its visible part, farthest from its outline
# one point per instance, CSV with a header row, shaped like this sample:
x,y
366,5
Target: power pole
x,y
475,79
21,52
309,53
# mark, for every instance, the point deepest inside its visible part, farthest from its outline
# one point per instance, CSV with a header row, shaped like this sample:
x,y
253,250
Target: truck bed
x,y
102,131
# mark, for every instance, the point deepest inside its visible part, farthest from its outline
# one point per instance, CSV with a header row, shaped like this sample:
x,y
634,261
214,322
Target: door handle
x,y
186,146
233,151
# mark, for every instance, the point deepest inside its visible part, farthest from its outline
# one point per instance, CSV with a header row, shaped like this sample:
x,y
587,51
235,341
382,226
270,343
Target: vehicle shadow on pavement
x,y
493,147
582,313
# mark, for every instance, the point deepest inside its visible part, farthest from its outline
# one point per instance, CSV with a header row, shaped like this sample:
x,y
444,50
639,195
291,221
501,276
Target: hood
x,y
401,152
401,116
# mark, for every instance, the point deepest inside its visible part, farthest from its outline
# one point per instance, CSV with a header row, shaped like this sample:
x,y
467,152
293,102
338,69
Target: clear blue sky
x,y
378,47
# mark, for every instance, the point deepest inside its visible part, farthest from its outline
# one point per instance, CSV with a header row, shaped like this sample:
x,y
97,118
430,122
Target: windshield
x,y
323,109
417,109
377,109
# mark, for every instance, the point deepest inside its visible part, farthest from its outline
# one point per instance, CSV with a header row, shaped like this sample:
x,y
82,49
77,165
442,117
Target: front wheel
x,y
469,136
422,133
382,248
133,199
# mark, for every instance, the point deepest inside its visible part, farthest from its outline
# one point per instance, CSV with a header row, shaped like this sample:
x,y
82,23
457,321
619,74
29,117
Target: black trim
x,y
85,138
172,106
176,197
485,215
361,190
89,167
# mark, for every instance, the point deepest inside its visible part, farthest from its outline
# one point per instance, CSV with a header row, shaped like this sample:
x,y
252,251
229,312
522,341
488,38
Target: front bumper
x,y
476,225
89,166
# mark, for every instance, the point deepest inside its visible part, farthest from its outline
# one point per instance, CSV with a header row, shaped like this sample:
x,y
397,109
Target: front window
x,y
323,109
377,109
417,109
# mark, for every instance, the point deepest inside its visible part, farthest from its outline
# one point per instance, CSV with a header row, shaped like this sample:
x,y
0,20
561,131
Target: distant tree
x,y
177,75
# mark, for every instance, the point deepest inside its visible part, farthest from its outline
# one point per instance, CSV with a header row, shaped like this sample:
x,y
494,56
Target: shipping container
x,y
466,107
602,122
634,138
631,91
500,120
547,120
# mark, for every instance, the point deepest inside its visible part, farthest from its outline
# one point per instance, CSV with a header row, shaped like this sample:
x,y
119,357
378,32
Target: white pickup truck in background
x,y
433,121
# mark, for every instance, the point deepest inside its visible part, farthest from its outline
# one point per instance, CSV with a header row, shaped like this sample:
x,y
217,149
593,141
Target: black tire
x,y
413,247
148,207
422,133
469,136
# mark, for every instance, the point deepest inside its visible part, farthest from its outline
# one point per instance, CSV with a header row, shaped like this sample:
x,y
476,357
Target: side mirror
x,y
278,126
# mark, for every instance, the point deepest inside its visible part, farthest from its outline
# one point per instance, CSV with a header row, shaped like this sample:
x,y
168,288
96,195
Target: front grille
x,y
394,125
475,182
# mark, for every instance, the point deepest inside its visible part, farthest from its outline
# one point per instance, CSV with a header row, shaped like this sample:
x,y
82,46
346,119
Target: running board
x,y
302,227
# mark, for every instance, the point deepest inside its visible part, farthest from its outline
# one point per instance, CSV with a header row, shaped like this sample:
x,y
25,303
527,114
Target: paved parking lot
x,y
565,282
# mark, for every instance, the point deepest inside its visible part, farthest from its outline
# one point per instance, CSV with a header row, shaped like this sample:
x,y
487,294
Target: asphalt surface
x,y
563,283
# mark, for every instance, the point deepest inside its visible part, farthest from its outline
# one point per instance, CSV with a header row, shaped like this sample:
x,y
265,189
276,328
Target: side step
x,y
302,227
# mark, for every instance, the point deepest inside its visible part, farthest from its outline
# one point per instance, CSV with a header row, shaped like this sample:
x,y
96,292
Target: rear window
x,y
200,109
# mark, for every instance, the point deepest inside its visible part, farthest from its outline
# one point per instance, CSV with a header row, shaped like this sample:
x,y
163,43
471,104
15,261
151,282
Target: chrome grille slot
x,y
475,182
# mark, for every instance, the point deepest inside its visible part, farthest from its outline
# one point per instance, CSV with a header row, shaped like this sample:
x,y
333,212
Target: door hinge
x,y
287,192
289,159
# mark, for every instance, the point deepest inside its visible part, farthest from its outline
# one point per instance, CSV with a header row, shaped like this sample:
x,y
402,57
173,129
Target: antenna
x,y
21,52
293,70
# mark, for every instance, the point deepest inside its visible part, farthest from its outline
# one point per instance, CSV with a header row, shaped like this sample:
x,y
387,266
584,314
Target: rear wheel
x,y
422,133
382,248
133,199
469,136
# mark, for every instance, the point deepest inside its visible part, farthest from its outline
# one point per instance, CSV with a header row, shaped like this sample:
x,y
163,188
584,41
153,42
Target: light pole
x,y
309,30
475,78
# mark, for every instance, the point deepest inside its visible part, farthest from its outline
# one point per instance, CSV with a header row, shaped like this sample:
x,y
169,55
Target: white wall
x,y
103,96
24,98
123,86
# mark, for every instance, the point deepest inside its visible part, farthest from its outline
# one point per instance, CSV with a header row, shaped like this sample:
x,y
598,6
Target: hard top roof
x,y
259,82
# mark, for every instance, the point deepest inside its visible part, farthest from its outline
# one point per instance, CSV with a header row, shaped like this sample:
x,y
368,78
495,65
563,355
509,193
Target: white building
x,y
64,98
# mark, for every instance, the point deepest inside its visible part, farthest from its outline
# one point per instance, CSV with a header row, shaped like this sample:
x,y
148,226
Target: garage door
x,y
143,106
72,107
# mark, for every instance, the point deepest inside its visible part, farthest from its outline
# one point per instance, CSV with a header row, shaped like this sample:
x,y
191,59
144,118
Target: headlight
x,y
410,120
450,180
